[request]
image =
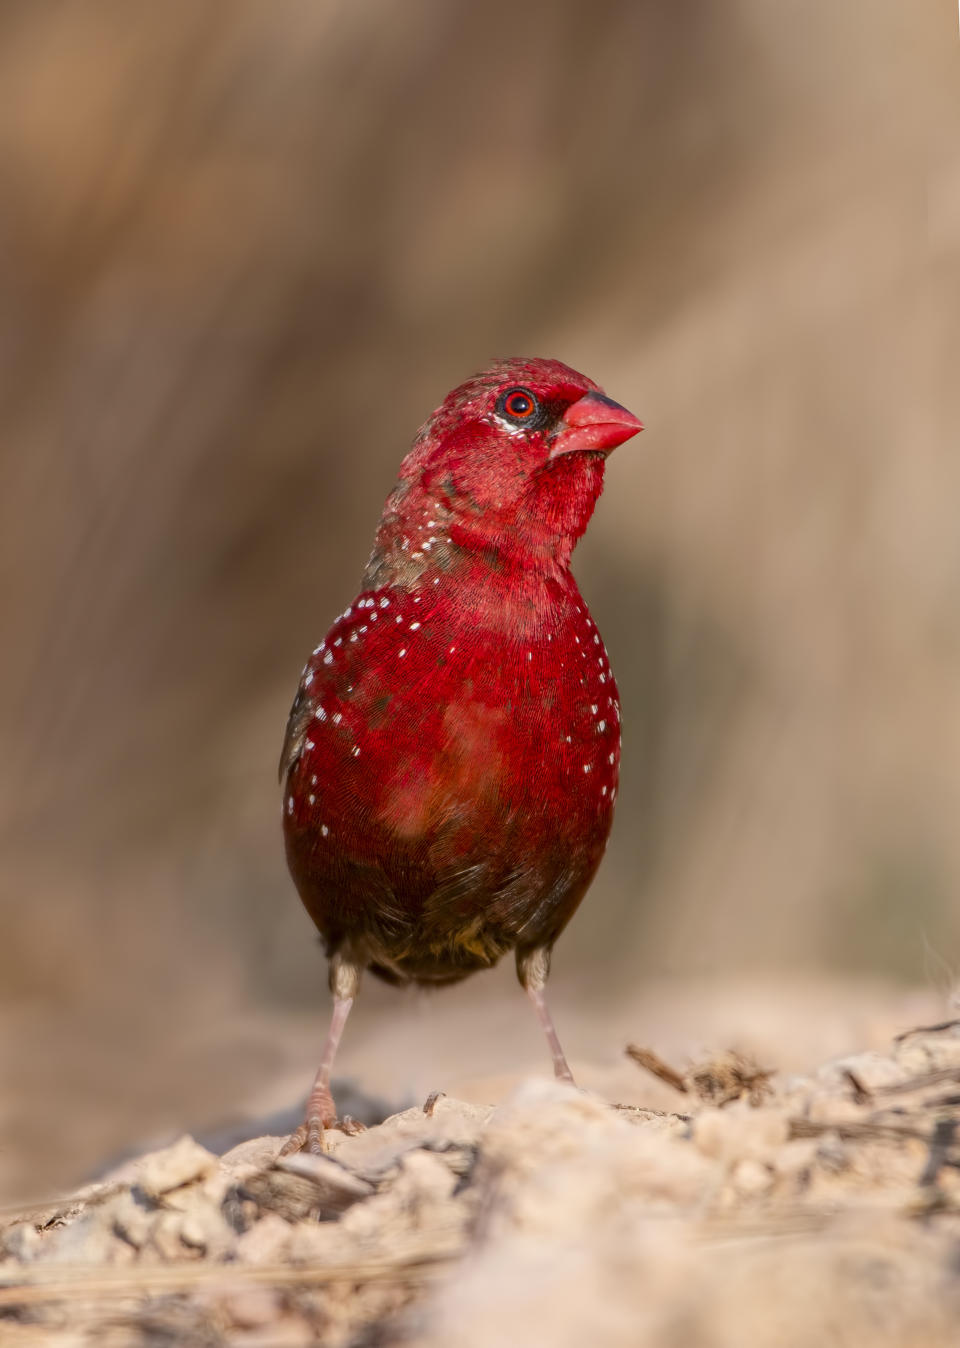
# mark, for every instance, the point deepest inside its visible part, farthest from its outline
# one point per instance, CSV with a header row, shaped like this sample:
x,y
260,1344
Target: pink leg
x,y
561,1069
321,1112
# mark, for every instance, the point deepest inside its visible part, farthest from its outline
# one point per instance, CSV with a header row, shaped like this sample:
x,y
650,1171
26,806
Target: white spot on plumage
x,y
612,759
594,708
320,714
601,726
356,751
308,680
401,653
337,717
328,658
313,780
308,744
339,641
384,602
414,626
586,767
312,800
289,804
324,830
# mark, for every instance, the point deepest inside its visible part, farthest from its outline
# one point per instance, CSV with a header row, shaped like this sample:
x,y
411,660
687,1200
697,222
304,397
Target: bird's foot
x,y
430,1104
311,1135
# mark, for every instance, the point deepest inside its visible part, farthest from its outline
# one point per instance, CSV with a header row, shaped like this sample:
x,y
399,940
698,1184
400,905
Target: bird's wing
x,y
303,709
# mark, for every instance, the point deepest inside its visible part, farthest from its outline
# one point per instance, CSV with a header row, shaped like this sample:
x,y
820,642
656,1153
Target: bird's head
x,y
511,462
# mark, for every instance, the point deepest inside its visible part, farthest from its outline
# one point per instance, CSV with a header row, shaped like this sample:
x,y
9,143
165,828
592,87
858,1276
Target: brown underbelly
x,y
431,915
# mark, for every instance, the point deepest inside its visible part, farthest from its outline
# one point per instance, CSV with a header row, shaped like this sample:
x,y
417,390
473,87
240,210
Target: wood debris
x,y
717,1080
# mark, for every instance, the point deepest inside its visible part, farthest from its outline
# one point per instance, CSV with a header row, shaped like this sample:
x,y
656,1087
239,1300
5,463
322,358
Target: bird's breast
x,y
426,718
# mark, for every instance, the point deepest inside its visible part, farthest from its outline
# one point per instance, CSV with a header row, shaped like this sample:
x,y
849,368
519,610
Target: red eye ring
x,y
519,404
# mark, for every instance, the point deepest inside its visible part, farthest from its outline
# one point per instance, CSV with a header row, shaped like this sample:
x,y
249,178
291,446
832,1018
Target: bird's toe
x,y
430,1104
310,1137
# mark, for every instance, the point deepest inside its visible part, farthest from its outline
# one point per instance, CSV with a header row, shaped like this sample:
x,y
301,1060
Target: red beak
x,y
594,422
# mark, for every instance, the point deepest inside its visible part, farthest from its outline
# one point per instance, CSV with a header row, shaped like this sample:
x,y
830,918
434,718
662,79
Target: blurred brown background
x,y
244,250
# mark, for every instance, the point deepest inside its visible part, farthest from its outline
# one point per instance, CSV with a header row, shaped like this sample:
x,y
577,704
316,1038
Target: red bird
x,y
452,754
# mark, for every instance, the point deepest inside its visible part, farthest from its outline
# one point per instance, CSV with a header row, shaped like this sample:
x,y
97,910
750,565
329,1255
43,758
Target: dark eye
x,y
519,405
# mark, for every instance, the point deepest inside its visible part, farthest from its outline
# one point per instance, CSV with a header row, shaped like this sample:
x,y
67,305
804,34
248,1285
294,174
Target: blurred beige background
x,y
244,250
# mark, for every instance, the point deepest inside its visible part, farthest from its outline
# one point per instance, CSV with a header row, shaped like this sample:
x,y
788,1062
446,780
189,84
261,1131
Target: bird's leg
x,y
561,1068
533,966
321,1112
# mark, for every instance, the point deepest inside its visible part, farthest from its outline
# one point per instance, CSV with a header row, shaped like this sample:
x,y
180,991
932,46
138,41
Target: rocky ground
x,y
763,1210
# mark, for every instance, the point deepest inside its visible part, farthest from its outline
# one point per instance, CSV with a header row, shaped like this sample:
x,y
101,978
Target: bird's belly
x,y
441,830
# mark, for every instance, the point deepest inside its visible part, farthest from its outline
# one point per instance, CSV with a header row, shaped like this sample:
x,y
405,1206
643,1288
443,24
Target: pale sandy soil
x,y
819,1207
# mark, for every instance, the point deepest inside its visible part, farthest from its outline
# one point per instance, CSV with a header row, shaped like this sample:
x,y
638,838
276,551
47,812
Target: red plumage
x,y
452,755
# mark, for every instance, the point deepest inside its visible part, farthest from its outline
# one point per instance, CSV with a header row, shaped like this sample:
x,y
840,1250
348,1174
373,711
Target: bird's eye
x,y
519,405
